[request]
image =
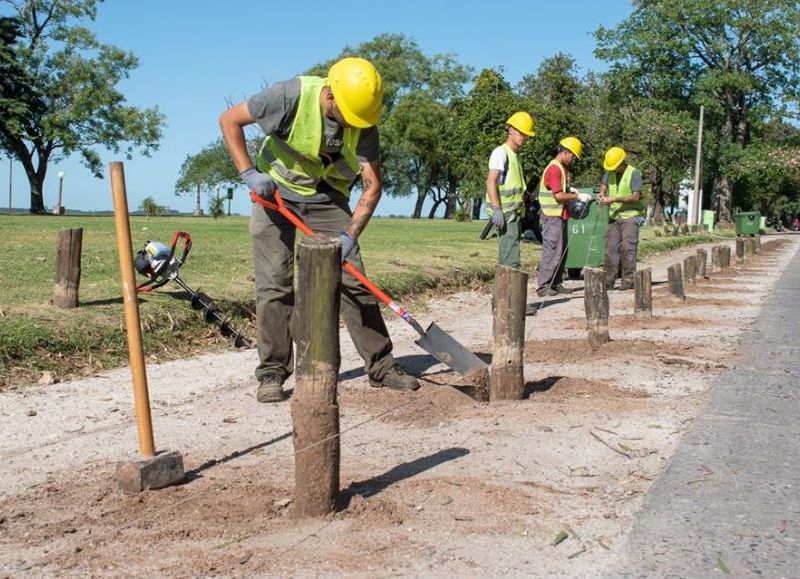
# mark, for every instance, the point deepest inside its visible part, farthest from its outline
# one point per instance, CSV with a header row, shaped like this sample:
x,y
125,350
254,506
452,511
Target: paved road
x,y
729,501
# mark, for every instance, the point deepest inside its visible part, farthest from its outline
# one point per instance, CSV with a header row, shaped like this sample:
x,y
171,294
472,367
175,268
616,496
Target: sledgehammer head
x,y
163,470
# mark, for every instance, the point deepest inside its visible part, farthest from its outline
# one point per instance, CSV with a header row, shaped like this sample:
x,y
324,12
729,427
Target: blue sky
x,y
197,57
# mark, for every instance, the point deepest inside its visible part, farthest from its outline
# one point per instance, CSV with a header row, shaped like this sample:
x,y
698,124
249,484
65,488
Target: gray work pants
x,y
551,264
622,243
508,251
272,240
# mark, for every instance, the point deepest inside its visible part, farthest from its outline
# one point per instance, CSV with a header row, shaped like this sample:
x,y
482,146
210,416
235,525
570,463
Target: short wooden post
x,y
716,258
757,237
689,270
68,268
315,411
726,256
741,249
752,245
701,262
510,298
675,282
643,294
595,300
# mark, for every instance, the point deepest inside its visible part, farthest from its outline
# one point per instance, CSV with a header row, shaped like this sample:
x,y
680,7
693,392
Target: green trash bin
x,y
747,222
708,220
587,238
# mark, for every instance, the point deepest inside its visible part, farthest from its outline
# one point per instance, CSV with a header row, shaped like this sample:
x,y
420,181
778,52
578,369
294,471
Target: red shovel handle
x,y
279,206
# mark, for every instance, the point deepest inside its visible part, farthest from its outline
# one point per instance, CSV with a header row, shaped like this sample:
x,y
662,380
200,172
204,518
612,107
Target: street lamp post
x,y
58,210
10,171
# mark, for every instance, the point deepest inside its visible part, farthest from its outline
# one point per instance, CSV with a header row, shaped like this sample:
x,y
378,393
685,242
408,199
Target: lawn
x,y
408,258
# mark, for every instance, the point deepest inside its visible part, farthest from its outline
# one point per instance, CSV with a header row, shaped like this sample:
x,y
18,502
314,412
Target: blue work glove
x,y
348,244
262,183
497,218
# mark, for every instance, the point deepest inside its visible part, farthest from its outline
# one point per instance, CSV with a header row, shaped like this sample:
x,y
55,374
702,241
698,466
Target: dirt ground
x,y
433,483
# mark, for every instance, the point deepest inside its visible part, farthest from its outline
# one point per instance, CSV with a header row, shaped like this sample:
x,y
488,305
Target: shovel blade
x,y
448,351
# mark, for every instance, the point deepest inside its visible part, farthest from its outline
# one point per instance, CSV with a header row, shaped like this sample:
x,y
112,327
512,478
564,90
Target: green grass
x,y
408,258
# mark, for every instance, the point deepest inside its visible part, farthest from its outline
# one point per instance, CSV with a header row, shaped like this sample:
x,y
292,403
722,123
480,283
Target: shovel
x,y
434,340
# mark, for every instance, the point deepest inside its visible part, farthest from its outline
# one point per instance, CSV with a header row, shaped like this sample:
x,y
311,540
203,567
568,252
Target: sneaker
x,y
560,289
270,390
395,379
531,309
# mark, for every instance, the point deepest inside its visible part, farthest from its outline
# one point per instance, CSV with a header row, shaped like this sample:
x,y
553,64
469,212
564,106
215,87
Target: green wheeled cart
x,y
747,223
587,238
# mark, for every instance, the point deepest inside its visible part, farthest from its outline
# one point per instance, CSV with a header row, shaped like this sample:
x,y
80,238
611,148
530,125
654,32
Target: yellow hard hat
x,y
572,145
357,88
523,122
614,158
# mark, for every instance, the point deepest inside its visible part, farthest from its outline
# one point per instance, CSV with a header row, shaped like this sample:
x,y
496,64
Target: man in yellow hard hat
x,y
621,189
554,193
321,134
505,189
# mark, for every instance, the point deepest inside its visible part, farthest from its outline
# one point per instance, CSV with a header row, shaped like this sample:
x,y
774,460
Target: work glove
x,y
262,183
497,218
585,197
348,244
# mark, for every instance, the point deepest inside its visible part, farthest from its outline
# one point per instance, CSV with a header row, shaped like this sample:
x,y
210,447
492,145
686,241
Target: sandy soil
x,y
432,483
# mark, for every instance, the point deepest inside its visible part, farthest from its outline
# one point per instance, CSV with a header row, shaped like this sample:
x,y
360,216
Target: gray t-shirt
x,y
636,180
274,109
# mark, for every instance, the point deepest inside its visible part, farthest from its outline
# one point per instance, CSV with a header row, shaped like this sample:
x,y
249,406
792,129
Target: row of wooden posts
x,y
314,407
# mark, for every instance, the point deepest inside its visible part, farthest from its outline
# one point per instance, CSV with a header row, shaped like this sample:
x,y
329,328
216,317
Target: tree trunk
x,y
477,202
432,212
723,199
418,205
658,199
452,199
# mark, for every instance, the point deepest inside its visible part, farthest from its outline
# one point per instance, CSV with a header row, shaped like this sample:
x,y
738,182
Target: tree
x,y
74,79
19,100
739,58
150,208
207,171
216,207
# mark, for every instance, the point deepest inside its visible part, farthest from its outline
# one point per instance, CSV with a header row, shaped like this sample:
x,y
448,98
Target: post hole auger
x,y
158,262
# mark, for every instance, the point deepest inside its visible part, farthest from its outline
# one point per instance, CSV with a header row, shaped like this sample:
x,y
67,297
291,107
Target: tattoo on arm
x,y
357,225
368,205
367,183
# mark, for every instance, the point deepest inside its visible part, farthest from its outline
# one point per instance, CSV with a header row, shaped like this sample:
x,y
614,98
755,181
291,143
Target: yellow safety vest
x,y
512,190
623,189
551,207
295,162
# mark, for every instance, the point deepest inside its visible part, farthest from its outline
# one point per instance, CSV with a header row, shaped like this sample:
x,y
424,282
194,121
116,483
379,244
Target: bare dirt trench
x,y
433,483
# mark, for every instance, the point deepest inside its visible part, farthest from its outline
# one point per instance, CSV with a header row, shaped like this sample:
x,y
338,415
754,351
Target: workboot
x,y
270,390
395,379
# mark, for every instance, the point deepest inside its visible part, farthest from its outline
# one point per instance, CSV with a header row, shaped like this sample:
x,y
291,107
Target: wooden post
x,y
689,270
643,294
758,242
741,248
68,268
701,261
595,300
130,299
315,411
716,258
510,298
675,282
726,256
752,245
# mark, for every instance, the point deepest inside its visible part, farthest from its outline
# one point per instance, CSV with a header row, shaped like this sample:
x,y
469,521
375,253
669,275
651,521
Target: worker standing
x,y
320,135
621,189
505,189
554,194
